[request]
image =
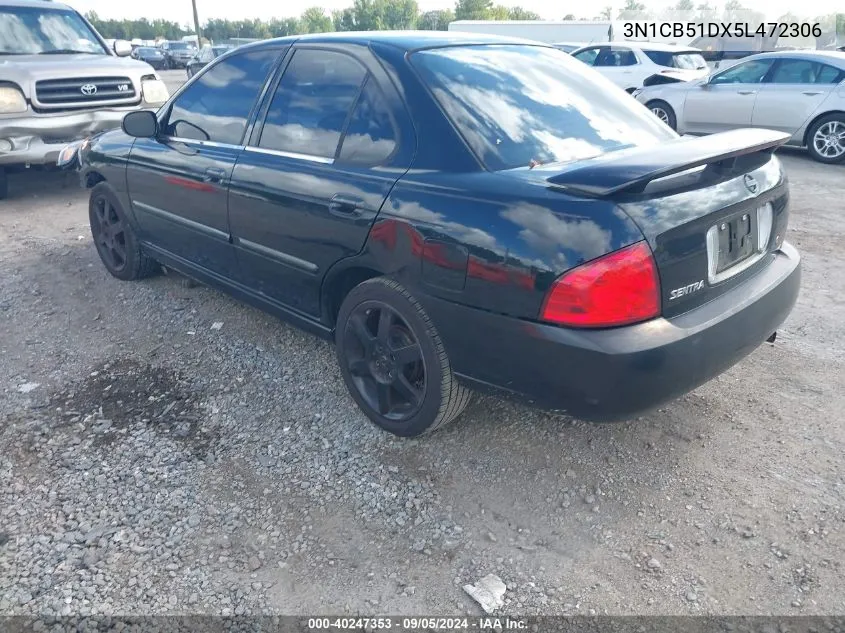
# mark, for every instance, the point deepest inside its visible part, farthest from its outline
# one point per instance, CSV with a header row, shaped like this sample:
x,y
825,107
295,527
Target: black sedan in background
x,y
453,211
205,56
153,56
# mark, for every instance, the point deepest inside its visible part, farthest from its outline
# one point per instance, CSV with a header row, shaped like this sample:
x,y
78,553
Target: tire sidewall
x,y
811,149
133,252
428,413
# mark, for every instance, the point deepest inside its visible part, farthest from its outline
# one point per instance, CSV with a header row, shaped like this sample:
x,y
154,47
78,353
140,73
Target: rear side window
x,y
370,137
217,105
804,71
309,110
829,74
559,111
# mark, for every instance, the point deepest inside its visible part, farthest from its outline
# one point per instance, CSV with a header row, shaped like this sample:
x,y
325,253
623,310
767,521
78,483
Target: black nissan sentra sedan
x,y
456,211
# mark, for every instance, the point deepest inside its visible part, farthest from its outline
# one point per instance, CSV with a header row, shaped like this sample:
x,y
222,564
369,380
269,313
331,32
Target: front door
x,y
306,191
726,102
179,181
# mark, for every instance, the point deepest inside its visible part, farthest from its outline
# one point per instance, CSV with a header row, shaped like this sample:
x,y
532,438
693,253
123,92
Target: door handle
x,y
214,174
746,92
811,93
344,206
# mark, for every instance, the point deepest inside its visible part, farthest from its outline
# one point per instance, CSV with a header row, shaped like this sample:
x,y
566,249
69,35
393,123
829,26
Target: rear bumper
x,y
38,139
613,374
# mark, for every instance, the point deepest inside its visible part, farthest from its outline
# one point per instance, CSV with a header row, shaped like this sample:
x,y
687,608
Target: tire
x,y
831,126
396,355
115,238
4,184
657,107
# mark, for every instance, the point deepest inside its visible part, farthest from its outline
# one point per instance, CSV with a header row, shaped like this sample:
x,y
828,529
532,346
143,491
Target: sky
x,y
180,10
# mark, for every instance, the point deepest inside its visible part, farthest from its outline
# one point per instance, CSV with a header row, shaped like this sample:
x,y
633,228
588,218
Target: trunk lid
x,y
713,209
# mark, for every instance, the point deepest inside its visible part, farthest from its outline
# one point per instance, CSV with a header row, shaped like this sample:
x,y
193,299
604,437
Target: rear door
x,y
727,101
304,194
793,92
619,65
179,181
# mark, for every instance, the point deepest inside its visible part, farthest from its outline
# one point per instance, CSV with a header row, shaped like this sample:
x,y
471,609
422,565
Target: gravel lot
x,y
169,450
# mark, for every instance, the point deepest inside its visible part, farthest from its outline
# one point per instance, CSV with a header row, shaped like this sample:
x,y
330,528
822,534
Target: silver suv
x,y
60,82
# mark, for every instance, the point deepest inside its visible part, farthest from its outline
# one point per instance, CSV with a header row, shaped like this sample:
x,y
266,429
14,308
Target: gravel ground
x,y
169,450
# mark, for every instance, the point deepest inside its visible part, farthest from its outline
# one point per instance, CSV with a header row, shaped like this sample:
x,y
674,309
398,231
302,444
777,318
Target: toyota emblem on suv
x,y
88,89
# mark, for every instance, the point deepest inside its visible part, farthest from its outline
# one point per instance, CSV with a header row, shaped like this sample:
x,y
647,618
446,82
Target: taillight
x,y
620,288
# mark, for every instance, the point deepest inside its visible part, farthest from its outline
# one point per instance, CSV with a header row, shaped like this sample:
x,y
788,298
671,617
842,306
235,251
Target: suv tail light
x,y
619,288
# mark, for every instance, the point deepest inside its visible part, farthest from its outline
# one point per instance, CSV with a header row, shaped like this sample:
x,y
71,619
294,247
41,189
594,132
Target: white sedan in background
x,y
798,92
629,64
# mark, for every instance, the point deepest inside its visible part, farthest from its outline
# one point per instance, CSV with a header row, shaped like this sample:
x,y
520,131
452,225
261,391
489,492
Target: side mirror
x,y
140,124
122,48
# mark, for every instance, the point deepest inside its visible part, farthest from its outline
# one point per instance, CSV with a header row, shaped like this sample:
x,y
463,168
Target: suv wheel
x,y
393,361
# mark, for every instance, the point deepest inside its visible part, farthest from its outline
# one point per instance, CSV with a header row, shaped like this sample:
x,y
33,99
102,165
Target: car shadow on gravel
x,y
120,394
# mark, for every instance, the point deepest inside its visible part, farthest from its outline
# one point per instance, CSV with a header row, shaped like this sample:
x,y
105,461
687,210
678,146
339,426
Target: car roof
x,y
646,46
405,40
43,4
834,58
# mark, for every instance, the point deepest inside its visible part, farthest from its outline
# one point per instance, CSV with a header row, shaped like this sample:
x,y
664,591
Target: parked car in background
x,y
629,64
801,93
203,57
568,47
151,55
370,191
178,54
60,81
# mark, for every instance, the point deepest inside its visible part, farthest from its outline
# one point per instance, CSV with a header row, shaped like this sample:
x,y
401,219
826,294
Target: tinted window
x,y
312,103
514,104
669,59
217,105
370,137
803,71
751,72
616,57
829,74
588,56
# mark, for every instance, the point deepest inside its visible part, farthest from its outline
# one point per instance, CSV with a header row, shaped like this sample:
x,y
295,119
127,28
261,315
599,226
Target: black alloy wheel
x,y
385,360
115,239
393,361
109,234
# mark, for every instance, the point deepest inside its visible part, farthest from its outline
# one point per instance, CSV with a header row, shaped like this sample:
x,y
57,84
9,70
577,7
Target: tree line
x,y
376,15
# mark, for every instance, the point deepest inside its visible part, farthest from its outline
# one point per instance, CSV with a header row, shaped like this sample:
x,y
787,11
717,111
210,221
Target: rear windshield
x,y
518,104
669,59
180,46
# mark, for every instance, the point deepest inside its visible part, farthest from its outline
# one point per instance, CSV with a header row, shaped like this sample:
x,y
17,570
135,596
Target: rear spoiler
x,y
631,170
